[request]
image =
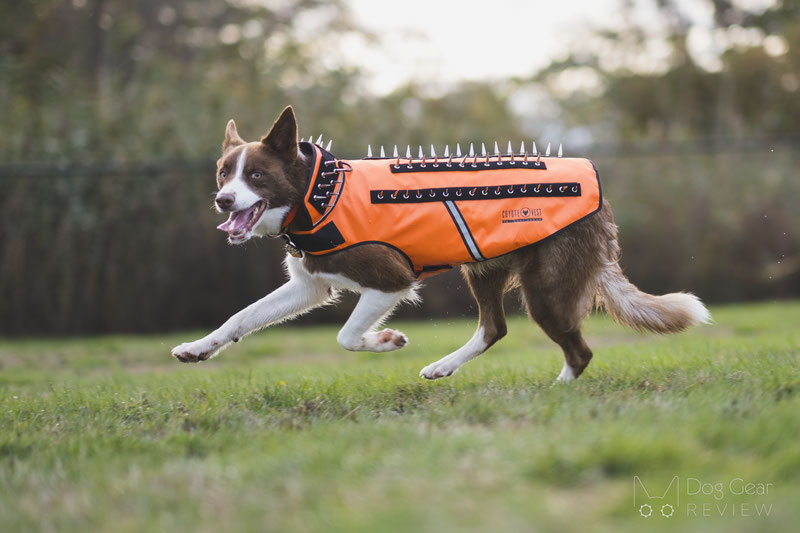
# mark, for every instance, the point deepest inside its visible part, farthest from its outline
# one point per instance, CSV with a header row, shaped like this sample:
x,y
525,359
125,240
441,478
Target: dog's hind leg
x,y
488,283
372,308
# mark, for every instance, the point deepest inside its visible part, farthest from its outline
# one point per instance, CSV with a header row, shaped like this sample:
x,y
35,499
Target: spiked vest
x,y
440,213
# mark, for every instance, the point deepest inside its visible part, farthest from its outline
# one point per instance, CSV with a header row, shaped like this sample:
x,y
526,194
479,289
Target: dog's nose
x,y
224,201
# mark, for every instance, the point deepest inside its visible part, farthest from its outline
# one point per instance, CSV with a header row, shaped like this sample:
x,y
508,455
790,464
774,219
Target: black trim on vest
x,y
321,183
460,194
462,164
326,237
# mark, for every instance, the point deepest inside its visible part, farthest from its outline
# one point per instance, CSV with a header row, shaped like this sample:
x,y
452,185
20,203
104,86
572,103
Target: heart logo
x,y
525,212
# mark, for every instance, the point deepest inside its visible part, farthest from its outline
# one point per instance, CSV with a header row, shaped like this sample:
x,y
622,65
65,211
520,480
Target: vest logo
x,y
524,214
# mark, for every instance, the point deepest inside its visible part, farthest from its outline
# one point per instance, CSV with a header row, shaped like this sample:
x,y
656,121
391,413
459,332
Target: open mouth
x,y
241,223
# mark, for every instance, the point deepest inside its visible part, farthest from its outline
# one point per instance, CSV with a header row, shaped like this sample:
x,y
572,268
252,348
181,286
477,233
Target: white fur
x,y
271,222
566,375
450,363
372,308
301,293
243,196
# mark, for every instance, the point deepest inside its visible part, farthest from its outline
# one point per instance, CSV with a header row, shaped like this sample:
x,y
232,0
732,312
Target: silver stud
x,y
421,154
369,150
395,154
433,151
408,151
510,150
483,149
522,147
302,139
534,150
458,150
547,152
496,149
319,139
328,147
471,150
560,151
447,151
383,152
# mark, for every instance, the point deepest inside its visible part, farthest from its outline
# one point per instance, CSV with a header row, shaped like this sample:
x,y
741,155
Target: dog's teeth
x,y
369,150
510,149
433,151
458,150
560,151
408,151
533,150
383,153
328,147
319,140
547,151
521,147
395,151
447,151
471,150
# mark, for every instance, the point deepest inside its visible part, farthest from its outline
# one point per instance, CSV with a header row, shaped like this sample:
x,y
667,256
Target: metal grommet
x,y
380,195
511,190
574,188
549,189
472,192
405,195
524,189
446,193
458,192
432,194
394,194
419,194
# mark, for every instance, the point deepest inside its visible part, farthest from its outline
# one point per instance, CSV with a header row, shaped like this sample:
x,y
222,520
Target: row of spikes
x,y
318,142
509,152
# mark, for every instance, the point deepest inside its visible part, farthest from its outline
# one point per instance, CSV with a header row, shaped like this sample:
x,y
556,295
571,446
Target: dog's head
x,y
259,182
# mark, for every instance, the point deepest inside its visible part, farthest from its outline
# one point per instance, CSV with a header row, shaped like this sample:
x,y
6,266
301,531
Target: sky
x,y
447,41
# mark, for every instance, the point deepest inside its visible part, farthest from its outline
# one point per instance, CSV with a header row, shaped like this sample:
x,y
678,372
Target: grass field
x,y
287,432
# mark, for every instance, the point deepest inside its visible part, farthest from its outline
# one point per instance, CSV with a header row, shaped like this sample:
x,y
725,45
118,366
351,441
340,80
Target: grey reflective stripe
x,y
464,231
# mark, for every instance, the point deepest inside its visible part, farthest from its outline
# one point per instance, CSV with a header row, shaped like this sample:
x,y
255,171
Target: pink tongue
x,y
237,221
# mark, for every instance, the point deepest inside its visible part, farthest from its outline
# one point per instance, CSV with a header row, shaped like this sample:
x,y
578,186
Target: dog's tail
x,y
629,306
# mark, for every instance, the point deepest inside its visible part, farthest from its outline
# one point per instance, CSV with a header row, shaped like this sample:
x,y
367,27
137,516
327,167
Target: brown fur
x,y
560,278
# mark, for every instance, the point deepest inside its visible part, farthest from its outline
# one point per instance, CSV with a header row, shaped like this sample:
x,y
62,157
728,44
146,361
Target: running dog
x,y
378,226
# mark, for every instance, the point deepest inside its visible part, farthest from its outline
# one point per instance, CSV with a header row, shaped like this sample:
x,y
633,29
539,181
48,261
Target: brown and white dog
x,y
561,278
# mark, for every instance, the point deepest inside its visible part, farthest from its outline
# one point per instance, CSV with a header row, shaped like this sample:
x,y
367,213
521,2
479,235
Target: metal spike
x,y
510,150
408,151
471,149
433,151
319,139
458,150
383,152
302,139
395,152
522,147
447,150
421,153
483,149
534,150
560,151
328,148
369,150
547,152
496,149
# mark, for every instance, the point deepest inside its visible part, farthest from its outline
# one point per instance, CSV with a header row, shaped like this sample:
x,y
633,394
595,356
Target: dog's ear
x,y
282,137
231,137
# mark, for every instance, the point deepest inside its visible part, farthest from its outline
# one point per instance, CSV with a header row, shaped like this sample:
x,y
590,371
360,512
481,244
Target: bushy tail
x,y
628,305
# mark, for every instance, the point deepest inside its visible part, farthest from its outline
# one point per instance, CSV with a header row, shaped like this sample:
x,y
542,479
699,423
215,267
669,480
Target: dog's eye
x,y
223,174
256,175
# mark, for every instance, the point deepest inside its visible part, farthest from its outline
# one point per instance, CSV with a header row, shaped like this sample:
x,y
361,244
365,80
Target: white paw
x,y
384,341
439,369
199,350
566,375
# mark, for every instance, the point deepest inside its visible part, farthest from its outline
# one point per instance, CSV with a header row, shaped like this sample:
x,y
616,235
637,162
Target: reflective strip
x,y
464,231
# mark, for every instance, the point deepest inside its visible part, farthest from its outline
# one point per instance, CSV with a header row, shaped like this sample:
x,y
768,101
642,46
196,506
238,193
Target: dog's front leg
x,y
372,307
293,298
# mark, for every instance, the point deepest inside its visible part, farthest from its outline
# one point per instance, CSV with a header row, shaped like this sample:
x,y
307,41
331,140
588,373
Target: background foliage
x,y
113,113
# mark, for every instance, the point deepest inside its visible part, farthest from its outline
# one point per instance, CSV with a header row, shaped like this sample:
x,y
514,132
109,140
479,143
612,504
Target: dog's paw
x,y
194,352
437,370
384,341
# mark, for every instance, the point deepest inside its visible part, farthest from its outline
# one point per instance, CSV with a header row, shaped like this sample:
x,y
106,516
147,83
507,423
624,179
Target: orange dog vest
x,y
440,213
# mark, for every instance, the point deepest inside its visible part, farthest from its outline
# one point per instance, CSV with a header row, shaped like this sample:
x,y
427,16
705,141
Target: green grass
x,y
286,431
